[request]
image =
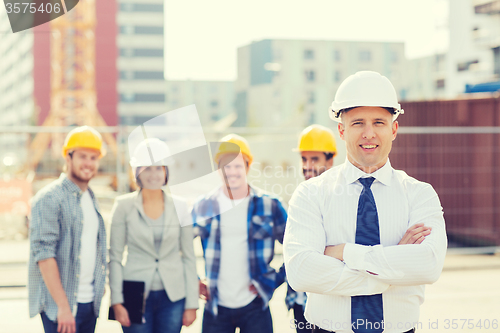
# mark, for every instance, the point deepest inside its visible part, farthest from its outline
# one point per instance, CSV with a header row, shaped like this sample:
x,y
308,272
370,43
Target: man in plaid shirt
x,y
238,226
67,265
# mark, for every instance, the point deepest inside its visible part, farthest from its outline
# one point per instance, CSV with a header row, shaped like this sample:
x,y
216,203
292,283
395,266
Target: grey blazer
x,y
175,261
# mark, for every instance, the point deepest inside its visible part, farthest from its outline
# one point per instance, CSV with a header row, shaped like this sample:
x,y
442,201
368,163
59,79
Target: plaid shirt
x,y
291,298
266,221
55,232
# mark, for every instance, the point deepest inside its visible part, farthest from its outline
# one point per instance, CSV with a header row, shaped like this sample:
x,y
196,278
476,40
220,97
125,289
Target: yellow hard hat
x,y
233,139
317,138
83,137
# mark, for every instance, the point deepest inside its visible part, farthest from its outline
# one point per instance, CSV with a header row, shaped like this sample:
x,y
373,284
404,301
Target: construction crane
x,y
73,94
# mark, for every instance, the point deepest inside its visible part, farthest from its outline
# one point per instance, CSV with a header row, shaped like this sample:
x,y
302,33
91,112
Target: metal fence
x,y
453,145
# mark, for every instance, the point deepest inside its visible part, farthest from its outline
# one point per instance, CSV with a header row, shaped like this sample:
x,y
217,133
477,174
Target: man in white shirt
x,y
362,238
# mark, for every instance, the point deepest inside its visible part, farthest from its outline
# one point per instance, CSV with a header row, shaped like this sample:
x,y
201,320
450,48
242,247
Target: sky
x,y
202,37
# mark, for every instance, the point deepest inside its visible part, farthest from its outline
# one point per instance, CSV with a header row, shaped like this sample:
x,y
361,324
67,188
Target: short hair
x,y
138,181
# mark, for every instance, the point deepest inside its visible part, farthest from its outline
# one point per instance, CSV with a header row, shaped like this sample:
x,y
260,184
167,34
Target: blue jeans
x,y
85,320
250,319
161,315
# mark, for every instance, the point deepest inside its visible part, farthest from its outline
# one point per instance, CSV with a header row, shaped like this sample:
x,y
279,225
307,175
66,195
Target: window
x,y
148,30
308,54
337,76
311,97
148,52
144,98
144,75
127,98
126,29
310,75
496,60
141,30
141,75
394,57
440,84
139,7
465,66
365,56
337,55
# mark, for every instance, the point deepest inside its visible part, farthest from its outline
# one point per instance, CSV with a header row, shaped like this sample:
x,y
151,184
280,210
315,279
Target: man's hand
x,y
121,315
415,234
65,320
203,290
335,251
188,317
253,290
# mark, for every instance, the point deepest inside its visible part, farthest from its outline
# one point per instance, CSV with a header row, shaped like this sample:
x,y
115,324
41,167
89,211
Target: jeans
x,y
161,315
85,320
250,319
303,326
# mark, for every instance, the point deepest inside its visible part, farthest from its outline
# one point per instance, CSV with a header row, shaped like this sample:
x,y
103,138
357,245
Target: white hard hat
x,y
365,88
151,152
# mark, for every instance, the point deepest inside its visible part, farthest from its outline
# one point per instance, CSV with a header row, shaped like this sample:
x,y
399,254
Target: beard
x,y
313,171
74,175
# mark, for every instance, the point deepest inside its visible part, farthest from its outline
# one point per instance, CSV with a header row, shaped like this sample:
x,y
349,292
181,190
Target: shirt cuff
x,y
42,255
117,298
354,256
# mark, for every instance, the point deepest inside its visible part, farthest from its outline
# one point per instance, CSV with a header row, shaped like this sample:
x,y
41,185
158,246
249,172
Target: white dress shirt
x,y
323,211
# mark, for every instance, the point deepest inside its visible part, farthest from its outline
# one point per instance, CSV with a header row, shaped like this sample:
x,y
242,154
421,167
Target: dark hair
x,y
138,181
391,110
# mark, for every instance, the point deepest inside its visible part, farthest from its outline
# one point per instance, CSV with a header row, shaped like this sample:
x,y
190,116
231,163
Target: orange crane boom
x,y
73,94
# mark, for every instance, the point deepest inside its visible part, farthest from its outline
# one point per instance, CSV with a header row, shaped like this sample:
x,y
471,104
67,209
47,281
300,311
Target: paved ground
x,y
467,294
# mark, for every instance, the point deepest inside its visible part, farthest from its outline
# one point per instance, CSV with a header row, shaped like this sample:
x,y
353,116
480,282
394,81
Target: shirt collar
x,y
383,175
70,186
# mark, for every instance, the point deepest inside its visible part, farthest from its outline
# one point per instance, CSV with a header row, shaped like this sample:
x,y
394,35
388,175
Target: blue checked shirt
x,y
266,221
292,298
55,232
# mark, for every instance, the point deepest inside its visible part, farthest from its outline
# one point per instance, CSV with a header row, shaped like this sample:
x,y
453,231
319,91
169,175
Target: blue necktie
x,y
367,311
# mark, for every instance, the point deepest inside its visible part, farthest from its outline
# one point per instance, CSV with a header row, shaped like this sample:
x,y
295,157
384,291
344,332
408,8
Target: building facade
x,y
140,43
16,87
292,82
214,100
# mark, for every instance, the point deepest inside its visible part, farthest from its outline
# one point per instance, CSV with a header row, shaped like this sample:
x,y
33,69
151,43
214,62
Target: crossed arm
x,y
353,269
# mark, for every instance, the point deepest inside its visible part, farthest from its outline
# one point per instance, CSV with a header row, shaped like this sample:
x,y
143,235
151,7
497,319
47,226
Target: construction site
x,y
90,67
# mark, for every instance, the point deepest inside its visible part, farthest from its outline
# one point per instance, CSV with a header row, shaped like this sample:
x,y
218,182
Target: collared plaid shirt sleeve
x,y
55,232
266,221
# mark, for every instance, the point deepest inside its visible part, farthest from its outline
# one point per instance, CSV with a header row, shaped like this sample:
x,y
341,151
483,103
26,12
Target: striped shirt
x,y
55,232
266,220
323,211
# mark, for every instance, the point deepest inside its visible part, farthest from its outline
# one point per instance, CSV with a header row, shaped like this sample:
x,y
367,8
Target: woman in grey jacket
x,y
160,250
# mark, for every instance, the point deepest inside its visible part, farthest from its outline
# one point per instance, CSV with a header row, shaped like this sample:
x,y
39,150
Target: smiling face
x,y
234,171
82,164
368,132
152,177
314,163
